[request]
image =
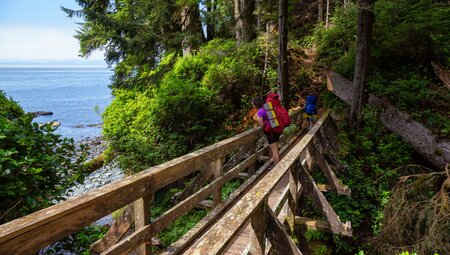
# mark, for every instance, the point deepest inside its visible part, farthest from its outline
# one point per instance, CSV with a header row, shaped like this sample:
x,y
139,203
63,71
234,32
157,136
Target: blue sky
x,y
38,30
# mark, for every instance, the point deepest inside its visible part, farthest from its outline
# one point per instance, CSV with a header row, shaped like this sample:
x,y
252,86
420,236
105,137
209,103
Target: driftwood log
x,y
422,140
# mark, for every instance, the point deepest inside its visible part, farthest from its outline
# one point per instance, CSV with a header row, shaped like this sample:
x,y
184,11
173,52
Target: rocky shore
x,y
108,173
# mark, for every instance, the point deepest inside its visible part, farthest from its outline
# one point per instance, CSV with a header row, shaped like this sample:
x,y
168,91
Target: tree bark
x,y
210,20
363,44
192,28
245,20
320,10
422,140
282,57
327,14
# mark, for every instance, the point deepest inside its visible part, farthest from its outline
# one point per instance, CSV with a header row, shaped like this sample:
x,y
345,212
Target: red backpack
x,y
277,114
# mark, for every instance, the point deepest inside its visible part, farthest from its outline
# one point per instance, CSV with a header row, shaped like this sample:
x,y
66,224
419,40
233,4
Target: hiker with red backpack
x,y
273,117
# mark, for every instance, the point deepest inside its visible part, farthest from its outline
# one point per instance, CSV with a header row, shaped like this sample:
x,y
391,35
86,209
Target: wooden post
x,y
259,224
252,167
141,219
217,170
278,237
292,198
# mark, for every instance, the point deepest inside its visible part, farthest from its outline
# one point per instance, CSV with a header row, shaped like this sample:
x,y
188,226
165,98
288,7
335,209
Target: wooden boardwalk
x,y
250,220
242,239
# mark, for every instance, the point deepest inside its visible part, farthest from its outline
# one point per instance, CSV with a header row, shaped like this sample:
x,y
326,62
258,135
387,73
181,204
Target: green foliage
x,y
373,158
229,187
10,109
335,42
180,226
415,30
414,92
79,242
186,109
36,165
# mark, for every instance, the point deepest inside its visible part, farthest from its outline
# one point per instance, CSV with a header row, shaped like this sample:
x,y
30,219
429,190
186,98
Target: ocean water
x,y
71,93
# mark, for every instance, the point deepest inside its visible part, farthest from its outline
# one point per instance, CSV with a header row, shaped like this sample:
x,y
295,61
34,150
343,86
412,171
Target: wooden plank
x,y
216,169
117,230
292,198
142,219
325,145
164,220
252,168
258,223
279,239
310,224
331,177
184,206
129,243
199,180
185,240
325,187
236,217
322,204
206,204
67,217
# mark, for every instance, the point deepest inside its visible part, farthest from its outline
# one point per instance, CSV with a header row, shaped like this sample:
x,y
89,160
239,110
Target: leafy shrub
x,y
373,159
186,109
36,165
335,42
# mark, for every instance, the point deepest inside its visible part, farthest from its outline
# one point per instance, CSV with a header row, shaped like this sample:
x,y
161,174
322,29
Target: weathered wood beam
x,y
206,204
192,234
141,220
185,240
325,188
129,243
24,235
117,230
422,140
278,237
198,181
322,204
331,177
325,145
258,223
216,169
226,227
310,224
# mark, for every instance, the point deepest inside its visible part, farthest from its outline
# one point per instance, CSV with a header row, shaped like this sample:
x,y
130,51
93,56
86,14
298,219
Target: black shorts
x,y
273,137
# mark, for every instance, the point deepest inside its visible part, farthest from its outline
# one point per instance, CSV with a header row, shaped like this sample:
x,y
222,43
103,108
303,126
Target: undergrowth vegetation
x,y
186,108
407,36
36,165
374,159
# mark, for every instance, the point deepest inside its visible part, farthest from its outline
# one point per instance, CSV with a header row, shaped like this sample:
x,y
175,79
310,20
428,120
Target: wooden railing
x,y
28,234
267,223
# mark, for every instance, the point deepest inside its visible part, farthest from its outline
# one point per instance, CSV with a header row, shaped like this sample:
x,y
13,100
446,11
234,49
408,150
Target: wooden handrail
x,y
229,225
32,232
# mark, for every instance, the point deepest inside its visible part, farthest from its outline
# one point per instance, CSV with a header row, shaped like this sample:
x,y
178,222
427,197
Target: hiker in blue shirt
x,y
310,109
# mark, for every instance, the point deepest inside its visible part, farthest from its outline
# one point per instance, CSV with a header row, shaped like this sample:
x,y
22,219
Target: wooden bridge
x,y
258,218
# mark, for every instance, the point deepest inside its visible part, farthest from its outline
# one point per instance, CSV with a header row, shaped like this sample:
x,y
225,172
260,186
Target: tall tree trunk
x,y
245,20
363,44
327,14
192,28
320,10
210,19
282,57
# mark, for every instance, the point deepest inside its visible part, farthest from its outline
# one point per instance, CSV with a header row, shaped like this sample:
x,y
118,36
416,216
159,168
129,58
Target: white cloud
x,y
36,43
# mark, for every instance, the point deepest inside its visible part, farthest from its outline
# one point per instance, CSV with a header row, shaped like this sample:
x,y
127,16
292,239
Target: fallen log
x,y
433,149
